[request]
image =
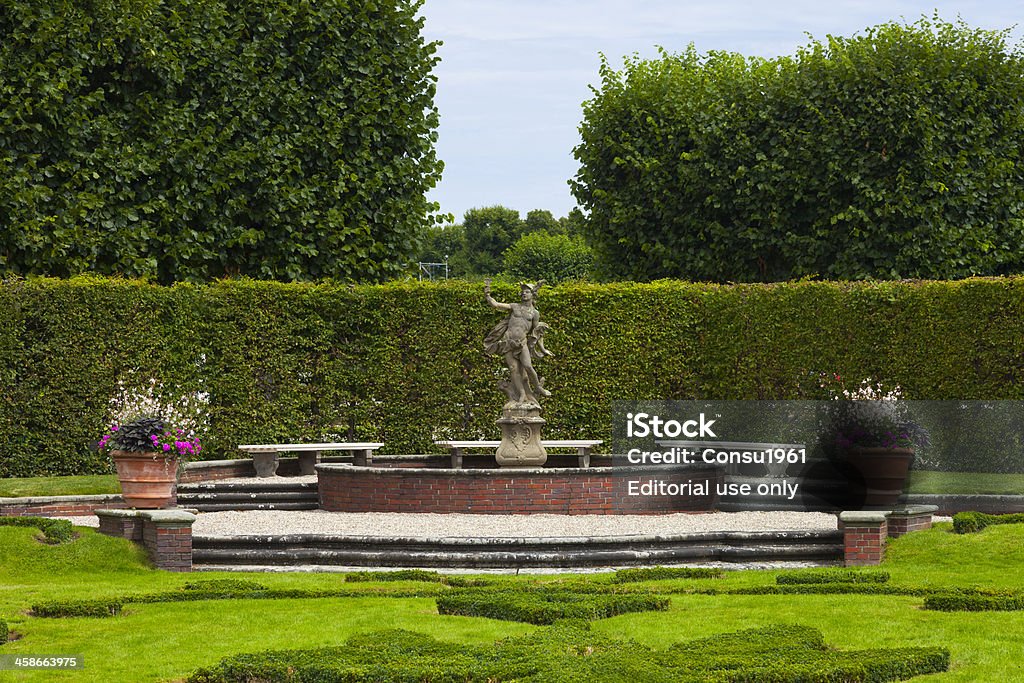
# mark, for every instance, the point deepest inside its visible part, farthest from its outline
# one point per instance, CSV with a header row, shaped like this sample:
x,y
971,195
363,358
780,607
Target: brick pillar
x,y
121,524
910,518
864,535
167,535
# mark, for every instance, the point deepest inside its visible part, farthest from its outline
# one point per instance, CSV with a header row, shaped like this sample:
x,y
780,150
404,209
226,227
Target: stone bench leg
x,y
308,461
456,458
364,458
584,457
265,463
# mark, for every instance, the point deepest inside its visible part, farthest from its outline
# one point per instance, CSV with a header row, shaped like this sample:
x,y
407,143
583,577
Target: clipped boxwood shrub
x,y
55,530
833,576
831,589
229,585
566,654
972,522
397,575
4,631
545,607
78,608
974,603
658,573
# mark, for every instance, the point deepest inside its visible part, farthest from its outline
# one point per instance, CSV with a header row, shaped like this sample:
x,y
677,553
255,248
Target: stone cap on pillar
x,y
173,516
914,510
863,517
169,516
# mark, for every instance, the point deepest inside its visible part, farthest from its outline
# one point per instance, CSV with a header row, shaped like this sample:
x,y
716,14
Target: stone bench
x,y
583,448
265,456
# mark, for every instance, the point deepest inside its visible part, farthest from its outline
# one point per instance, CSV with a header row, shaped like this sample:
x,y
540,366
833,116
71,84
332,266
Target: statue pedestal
x,y
520,436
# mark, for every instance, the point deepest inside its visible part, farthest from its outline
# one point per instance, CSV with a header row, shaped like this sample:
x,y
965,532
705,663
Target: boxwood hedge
x,y
545,607
658,573
972,522
403,363
55,530
832,576
562,654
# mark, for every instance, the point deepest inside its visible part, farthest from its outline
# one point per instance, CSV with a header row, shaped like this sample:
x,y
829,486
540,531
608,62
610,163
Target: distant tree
x,y
573,223
541,220
553,258
442,243
489,231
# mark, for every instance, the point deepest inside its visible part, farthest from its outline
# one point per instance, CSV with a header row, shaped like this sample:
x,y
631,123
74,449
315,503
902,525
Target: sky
x,y
514,73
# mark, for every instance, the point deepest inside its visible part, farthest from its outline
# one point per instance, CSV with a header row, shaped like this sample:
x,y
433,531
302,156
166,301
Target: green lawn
x,y
966,482
167,641
90,484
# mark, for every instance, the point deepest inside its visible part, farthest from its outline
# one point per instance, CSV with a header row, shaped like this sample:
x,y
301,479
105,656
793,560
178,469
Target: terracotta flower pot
x,y
148,478
885,473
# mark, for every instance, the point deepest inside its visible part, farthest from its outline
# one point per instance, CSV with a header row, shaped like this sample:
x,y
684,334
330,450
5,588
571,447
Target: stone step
x,y
265,505
247,496
278,484
361,551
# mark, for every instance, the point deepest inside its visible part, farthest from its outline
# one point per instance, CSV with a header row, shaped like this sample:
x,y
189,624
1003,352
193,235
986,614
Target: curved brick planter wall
x,y
572,491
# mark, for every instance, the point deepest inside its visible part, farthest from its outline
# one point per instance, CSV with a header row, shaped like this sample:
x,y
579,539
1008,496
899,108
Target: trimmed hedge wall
x,y
403,363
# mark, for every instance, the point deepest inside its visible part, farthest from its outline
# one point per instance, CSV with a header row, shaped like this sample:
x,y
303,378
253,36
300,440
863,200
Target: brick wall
x,y
165,534
53,506
865,532
590,491
211,470
864,537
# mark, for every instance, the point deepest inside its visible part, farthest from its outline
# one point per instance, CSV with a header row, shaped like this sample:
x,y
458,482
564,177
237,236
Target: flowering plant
x,y
150,419
871,416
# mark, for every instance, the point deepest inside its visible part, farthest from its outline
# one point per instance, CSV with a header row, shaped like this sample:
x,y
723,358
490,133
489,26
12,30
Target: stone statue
x,y
520,339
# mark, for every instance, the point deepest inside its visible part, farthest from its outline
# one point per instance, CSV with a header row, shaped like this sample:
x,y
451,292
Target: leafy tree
x,y
892,154
572,224
441,243
540,220
489,231
553,258
192,139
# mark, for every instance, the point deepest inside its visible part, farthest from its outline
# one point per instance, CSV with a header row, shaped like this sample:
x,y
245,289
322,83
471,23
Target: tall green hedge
x,y
403,363
895,153
185,140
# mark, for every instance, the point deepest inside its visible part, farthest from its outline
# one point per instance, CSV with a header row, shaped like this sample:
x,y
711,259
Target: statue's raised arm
x,y
490,300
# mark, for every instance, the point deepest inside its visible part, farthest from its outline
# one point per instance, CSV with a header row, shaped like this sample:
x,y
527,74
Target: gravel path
x,y
426,525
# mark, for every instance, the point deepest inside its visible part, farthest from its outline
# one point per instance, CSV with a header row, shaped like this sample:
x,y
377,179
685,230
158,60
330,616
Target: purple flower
x,y
167,447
